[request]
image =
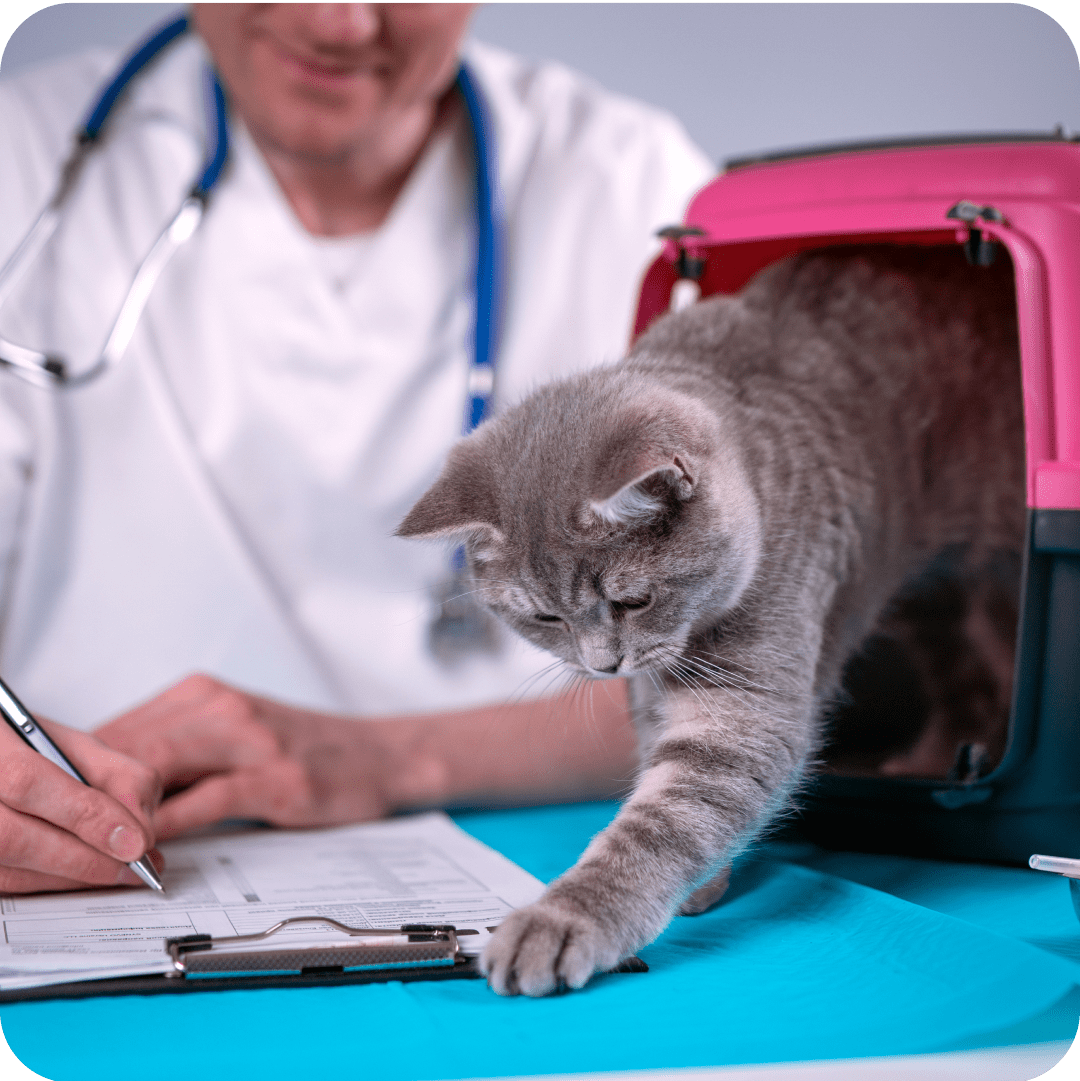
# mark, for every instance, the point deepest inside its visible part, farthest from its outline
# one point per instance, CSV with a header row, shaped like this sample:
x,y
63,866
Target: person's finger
x,y
16,880
42,851
33,786
132,783
204,803
197,735
276,794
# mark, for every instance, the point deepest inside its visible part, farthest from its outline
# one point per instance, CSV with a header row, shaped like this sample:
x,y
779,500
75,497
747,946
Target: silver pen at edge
x,y
1058,865
16,715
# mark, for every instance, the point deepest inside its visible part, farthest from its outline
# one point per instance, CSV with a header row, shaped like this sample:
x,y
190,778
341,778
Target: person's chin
x,y
328,137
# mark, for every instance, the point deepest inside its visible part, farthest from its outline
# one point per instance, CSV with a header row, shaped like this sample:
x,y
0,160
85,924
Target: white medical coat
x,y
225,500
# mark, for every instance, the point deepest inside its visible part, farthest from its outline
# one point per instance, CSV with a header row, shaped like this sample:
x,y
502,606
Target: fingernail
x,y
127,877
125,844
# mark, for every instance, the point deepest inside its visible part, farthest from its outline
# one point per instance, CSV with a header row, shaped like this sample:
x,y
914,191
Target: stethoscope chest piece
x,y
460,627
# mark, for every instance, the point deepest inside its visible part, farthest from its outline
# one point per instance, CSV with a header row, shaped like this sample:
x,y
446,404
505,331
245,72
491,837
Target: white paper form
x,y
419,869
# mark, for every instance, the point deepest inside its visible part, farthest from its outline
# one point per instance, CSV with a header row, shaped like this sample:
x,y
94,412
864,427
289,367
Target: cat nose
x,y
599,654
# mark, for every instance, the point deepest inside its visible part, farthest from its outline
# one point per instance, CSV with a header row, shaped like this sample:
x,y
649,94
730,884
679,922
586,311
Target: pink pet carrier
x,y
1024,193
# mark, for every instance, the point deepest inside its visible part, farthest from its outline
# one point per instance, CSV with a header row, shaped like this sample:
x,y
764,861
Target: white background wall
x,y
743,77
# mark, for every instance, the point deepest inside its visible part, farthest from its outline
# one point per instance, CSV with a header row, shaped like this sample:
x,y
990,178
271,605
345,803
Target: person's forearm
x,y
578,746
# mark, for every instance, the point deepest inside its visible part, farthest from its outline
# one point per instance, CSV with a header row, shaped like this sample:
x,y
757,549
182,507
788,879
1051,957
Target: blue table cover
x,y
812,955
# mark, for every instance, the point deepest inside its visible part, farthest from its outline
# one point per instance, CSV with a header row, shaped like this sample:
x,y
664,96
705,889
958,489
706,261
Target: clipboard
x,y
411,952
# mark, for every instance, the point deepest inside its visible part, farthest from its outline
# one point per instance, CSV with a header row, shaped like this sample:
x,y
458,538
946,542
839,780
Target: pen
x,y
15,713
1058,865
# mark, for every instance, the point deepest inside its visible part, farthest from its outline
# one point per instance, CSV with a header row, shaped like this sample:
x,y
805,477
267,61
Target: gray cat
x,y
723,518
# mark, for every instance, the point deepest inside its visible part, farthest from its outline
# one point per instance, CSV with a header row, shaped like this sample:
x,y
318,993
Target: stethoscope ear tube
x,y
85,139
175,233
142,56
31,365
45,370
45,224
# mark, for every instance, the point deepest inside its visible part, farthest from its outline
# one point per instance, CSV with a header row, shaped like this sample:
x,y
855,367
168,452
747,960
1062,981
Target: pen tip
x,y
145,870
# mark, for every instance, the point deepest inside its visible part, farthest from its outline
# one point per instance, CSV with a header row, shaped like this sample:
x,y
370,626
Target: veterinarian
x,y
218,495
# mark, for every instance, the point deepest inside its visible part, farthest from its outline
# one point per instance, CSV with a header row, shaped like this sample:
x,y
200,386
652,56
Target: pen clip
x,y
14,711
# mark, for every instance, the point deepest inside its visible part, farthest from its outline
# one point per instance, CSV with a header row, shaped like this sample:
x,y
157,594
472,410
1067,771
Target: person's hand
x,y
223,753
58,834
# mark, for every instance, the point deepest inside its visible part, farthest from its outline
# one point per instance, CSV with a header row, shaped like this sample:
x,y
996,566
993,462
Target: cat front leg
x,y
718,769
647,708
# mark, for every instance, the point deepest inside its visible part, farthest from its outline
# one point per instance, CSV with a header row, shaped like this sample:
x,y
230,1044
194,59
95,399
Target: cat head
x,y
603,519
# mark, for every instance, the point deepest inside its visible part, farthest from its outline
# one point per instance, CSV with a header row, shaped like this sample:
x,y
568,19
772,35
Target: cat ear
x,y
647,494
459,505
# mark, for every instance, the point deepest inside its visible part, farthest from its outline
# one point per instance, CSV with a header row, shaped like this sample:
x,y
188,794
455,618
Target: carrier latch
x,y
686,265
979,250
688,268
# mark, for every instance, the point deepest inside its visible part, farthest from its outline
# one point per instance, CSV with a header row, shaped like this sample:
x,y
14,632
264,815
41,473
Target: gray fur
x,y
723,517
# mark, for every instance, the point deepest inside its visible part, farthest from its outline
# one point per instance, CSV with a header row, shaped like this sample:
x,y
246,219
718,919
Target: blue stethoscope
x,y
458,626
48,370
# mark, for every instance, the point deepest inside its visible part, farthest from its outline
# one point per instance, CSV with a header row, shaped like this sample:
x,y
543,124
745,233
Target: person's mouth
x,y
329,74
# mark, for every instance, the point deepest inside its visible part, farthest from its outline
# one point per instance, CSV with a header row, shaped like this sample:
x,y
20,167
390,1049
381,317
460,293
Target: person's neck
x,y
354,190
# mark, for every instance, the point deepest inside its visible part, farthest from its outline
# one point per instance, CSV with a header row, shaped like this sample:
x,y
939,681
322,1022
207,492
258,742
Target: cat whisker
x,y
706,667
729,691
590,703
773,652
679,667
697,661
706,706
473,592
697,656
460,596
562,683
587,697
732,690
526,685
566,694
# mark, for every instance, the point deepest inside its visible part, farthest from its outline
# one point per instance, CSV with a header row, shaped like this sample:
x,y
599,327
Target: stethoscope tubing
x,y
489,254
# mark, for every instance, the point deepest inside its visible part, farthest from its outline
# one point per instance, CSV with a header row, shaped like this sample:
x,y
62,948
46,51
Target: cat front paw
x,y
544,948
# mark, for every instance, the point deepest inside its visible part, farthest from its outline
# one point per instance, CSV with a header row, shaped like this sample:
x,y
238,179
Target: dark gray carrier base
x,y
1031,800
993,836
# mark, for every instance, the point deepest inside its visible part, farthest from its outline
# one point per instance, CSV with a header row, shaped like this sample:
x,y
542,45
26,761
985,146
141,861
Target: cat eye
x,y
541,618
631,604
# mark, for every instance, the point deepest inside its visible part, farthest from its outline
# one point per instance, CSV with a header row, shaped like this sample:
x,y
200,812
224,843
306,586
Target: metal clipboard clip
x,y
413,945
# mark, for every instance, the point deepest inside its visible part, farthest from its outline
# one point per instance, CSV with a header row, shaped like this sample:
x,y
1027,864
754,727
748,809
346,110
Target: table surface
x,y
813,956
